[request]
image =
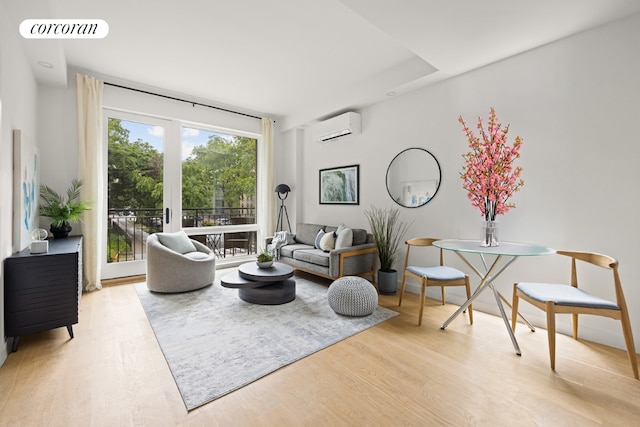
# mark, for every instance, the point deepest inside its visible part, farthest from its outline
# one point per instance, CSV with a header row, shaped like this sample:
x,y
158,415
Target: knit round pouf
x,y
352,296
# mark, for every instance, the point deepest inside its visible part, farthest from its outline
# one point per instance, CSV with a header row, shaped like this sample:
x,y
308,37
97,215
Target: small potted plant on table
x,y
265,259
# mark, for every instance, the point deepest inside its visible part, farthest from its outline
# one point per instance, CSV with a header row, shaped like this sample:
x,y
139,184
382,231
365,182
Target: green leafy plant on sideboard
x,y
62,211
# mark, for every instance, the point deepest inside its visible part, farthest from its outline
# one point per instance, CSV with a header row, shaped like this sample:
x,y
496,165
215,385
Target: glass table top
x,y
505,248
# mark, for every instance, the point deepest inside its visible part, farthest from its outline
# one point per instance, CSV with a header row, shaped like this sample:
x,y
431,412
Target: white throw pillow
x,y
328,242
345,237
178,241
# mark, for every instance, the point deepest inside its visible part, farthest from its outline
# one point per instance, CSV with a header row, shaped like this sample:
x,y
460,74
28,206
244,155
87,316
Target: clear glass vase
x,y
490,234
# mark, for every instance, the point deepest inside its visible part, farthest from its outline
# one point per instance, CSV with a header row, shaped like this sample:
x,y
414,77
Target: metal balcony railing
x,y
127,231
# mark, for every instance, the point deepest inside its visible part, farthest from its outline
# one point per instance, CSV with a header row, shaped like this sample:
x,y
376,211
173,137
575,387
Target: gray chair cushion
x,y
441,272
196,255
352,296
564,295
178,241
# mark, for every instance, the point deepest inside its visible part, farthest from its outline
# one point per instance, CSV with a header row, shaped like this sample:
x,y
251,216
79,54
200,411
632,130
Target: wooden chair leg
x,y
443,294
628,338
422,292
551,332
404,278
514,308
574,323
468,286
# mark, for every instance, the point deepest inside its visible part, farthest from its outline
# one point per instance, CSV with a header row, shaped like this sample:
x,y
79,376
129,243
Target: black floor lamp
x,y
283,191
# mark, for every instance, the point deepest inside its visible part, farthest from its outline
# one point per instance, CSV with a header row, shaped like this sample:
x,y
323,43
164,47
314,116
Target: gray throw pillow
x,y
178,242
345,237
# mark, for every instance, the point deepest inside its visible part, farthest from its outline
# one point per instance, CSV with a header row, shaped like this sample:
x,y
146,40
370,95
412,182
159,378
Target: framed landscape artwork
x,y
340,186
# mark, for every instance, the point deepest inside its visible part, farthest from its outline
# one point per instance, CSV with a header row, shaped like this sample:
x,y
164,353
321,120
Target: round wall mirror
x,y
413,177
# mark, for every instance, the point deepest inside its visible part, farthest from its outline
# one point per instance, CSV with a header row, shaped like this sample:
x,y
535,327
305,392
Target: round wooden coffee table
x,y
266,286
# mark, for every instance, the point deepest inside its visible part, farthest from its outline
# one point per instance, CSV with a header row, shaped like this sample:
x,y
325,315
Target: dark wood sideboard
x,y
43,291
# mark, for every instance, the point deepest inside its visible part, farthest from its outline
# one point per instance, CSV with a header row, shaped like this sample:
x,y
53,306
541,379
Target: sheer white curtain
x,y
91,172
266,184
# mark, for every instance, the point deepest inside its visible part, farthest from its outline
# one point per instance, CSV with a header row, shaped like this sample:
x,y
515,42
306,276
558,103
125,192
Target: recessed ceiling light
x,y
45,64
392,93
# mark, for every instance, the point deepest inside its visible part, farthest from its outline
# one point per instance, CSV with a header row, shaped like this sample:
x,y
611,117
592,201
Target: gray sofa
x,y
355,260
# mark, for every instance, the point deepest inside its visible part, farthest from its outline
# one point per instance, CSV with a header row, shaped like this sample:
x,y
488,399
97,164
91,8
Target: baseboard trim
x,y
124,280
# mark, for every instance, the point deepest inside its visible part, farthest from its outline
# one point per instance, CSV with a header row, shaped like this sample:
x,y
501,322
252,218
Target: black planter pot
x,y
387,282
60,232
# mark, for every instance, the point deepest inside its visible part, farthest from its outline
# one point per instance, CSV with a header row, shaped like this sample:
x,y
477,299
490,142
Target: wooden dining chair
x,y
563,298
438,275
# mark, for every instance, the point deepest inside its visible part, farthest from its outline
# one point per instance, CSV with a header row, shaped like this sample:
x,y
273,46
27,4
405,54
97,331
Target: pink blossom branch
x,y
489,176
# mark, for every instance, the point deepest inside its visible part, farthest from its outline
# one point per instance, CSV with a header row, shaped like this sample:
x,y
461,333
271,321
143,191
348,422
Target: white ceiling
x,y
300,60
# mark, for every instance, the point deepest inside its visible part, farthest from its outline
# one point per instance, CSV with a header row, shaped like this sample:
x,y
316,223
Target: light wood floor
x,y
114,374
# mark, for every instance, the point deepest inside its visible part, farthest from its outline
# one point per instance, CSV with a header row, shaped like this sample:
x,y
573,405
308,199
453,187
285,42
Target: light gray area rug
x,y
215,343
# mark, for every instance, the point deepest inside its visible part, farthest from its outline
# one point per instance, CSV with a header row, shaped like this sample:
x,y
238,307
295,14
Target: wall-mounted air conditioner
x,y
337,127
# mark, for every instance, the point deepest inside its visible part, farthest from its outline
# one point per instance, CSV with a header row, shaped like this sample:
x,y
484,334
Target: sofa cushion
x,y
288,250
328,241
306,233
178,242
359,236
314,256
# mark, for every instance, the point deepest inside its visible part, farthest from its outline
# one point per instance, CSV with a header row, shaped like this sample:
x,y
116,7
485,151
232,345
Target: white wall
x,y
575,103
18,91
287,153
58,146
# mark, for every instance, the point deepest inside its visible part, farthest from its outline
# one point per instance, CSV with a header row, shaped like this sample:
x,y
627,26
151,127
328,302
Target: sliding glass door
x,y
164,175
136,193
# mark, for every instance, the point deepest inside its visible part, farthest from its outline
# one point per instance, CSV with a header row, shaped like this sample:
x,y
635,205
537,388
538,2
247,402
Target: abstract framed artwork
x,y
340,186
26,189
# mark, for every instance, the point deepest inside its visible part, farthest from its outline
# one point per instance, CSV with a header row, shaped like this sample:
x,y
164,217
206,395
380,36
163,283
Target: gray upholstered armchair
x,y
176,263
